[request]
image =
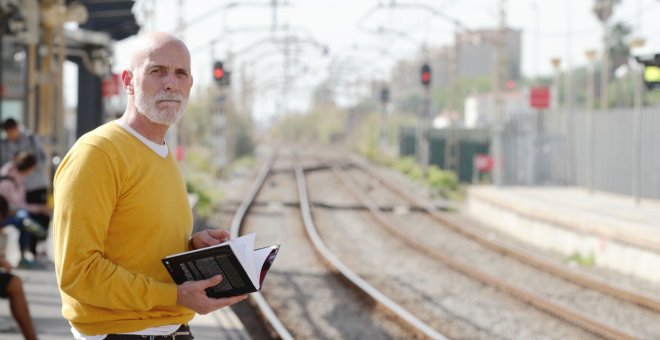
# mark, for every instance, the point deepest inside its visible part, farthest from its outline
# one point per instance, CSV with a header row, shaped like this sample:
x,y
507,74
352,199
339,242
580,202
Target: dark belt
x,y
183,333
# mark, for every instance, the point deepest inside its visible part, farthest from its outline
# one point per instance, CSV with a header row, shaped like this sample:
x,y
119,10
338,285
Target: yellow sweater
x,y
119,209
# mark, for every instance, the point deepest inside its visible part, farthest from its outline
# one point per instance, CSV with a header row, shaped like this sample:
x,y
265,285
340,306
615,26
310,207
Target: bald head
x,y
159,79
154,42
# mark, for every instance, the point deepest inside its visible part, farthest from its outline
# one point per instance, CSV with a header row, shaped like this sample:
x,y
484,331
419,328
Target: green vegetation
x,y
320,125
202,179
587,260
204,206
200,175
441,183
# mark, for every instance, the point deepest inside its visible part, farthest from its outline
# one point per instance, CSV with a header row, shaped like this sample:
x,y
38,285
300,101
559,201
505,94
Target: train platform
x,y
45,306
617,232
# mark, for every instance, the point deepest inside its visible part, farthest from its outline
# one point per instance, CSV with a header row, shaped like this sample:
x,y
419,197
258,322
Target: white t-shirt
x,y
161,149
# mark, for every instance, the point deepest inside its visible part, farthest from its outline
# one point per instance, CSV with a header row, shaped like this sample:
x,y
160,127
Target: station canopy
x,y
114,17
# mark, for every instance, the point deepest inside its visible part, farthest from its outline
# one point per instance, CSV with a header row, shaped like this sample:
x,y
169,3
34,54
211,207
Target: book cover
x,y
243,269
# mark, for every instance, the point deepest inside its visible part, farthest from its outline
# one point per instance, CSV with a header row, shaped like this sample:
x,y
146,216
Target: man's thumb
x,y
212,281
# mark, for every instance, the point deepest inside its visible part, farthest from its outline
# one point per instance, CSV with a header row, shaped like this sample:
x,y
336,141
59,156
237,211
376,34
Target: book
x,y
242,267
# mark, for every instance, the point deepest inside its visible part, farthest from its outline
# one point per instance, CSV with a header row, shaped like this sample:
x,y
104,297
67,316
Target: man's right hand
x,y
192,295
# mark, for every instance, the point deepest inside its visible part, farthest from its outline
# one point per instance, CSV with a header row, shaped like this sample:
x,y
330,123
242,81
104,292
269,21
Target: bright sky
x,y
561,28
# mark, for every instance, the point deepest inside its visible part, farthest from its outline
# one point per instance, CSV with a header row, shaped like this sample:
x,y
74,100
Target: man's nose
x,y
171,82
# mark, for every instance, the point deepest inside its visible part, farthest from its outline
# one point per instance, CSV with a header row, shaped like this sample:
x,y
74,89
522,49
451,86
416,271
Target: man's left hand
x,y
208,237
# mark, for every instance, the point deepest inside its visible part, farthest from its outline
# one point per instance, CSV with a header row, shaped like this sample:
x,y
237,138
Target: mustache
x,y
168,96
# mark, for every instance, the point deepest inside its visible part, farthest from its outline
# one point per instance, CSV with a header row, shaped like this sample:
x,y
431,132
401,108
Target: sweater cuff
x,y
165,294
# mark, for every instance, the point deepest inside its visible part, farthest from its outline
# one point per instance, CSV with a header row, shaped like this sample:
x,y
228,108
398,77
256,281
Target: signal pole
x,y
499,75
603,10
384,98
638,77
176,134
424,129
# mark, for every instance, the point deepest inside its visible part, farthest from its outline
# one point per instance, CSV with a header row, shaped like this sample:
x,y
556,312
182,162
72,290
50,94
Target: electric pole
x,y
499,76
603,10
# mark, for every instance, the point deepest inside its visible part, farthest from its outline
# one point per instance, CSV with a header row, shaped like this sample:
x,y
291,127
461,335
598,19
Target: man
x,y
121,206
36,184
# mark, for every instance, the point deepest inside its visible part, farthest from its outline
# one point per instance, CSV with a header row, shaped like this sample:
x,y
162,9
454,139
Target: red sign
x,y
110,86
483,162
179,152
539,97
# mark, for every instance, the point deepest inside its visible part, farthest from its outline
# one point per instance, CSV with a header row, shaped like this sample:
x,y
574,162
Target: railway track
x,y
476,234
612,312
413,321
357,303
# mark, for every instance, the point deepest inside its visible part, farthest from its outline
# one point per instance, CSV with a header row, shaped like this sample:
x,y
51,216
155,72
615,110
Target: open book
x,y
243,268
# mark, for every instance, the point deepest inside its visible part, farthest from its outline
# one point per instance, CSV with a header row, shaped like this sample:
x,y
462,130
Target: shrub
x,y
441,182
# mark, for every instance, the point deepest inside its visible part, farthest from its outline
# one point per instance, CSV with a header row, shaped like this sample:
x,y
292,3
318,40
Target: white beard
x,y
147,106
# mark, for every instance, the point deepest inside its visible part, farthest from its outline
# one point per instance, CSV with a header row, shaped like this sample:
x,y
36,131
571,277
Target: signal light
x,y
652,77
385,95
426,75
511,84
218,72
651,70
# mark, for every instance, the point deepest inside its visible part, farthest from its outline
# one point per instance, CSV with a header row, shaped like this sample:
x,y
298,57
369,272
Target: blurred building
x,y
479,109
472,56
477,50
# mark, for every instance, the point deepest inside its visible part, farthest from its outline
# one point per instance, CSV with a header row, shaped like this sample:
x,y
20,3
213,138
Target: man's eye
x,y
155,71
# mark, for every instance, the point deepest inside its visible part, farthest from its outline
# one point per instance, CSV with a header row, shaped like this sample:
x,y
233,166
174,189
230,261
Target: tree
x,y
618,46
603,9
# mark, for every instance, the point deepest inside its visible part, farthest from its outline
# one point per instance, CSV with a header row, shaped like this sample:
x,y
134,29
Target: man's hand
x,y
208,237
192,295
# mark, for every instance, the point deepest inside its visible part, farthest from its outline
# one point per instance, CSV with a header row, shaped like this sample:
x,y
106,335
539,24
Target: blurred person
x,y
121,206
11,288
12,179
25,226
37,183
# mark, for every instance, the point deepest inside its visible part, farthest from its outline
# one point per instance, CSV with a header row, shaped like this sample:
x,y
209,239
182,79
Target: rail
x,y
559,310
412,321
277,328
646,300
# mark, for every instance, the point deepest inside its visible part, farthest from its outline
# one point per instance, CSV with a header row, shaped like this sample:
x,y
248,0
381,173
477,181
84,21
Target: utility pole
x,y
452,145
178,130
286,49
591,57
274,23
603,10
499,75
382,135
570,101
149,15
287,66
638,77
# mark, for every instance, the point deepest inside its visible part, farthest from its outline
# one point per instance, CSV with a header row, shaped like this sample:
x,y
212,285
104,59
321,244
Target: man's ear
x,y
127,81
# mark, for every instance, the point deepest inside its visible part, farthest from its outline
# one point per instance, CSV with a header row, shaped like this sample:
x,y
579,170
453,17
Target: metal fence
x,y
450,149
616,151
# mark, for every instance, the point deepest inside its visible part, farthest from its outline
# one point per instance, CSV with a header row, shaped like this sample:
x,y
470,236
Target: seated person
x,y
11,288
25,226
12,176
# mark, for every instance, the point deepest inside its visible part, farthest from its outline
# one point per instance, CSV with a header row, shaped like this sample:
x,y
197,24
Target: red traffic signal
x,y
426,75
218,71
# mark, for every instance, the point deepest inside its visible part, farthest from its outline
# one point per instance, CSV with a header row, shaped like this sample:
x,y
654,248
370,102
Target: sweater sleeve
x,y
87,186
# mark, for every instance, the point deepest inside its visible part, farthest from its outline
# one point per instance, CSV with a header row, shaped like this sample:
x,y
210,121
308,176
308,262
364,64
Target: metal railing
x,y
604,151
